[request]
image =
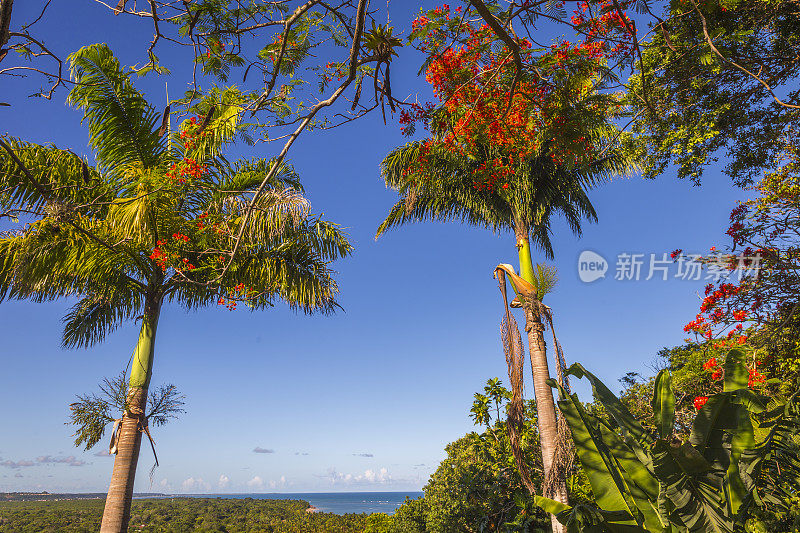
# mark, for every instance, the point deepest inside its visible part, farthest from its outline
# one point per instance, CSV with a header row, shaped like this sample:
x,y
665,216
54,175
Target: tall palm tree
x,y
537,190
155,221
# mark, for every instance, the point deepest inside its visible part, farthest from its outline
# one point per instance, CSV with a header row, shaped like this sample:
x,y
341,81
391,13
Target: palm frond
x,y
51,260
122,125
447,194
96,315
62,178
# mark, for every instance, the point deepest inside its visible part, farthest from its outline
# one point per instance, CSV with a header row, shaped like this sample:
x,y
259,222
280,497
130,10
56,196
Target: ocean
x,y
333,502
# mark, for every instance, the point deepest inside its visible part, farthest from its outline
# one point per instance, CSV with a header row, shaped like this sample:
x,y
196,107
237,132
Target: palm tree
x,y
156,220
537,190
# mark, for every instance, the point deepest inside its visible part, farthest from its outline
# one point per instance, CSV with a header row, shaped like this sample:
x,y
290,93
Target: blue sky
x,y
363,400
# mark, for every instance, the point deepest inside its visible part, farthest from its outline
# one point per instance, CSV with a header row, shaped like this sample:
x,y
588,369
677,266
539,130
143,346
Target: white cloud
x,y
381,476
16,464
71,460
369,476
43,459
256,483
280,483
223,481
195,484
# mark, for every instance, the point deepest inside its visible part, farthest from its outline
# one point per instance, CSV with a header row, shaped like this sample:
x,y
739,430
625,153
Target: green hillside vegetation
x,y
179,515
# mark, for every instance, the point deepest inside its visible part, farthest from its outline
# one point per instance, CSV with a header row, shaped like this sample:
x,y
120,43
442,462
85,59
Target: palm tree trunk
x,y
117,511
554,481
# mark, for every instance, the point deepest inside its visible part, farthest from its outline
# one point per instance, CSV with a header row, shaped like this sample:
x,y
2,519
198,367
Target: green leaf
x,y
622,416
550,506
122,125
704,422
736,375
641,487
689,459
664,404
697,507
604,474
743,439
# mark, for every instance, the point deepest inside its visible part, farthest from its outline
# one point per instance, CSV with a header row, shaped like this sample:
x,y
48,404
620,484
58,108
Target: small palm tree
x,y
156,220
445,190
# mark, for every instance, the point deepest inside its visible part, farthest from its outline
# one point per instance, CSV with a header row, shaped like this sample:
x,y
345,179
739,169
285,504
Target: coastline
x,y
340,503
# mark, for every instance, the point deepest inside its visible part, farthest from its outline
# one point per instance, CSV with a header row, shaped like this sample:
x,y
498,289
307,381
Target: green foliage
x,y
92,413
538,190
477,487
380,41
695,106
94,229
545,279
664,404
379,523
410,516
738,442
122,126
179,515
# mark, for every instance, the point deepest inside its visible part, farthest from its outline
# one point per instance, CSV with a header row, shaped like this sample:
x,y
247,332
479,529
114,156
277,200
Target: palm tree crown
x,y
538,189
157,218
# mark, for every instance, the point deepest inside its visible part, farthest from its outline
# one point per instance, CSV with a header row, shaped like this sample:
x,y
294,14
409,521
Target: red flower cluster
x,y
191,133
490,173
472,79
609,23
165,258
723,292
186,171
754,377
239,291
159,256
712,365
416,113
700,401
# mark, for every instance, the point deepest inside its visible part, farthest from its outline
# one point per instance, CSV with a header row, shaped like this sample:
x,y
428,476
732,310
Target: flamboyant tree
x,y
158,219
754,300
508,152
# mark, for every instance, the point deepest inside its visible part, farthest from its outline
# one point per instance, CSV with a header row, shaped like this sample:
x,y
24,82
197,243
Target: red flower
x,y
710,364
755,377
716,375
700,401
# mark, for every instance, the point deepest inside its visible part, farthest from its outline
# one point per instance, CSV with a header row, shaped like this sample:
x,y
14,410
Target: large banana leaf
x,y
621,415
694,505
620,482
650,483
664,404
587,519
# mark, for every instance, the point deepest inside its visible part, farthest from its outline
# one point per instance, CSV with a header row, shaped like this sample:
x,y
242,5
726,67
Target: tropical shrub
x,y
715,481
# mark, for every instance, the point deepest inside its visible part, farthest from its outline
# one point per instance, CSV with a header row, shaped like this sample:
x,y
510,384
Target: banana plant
x,y
645,481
